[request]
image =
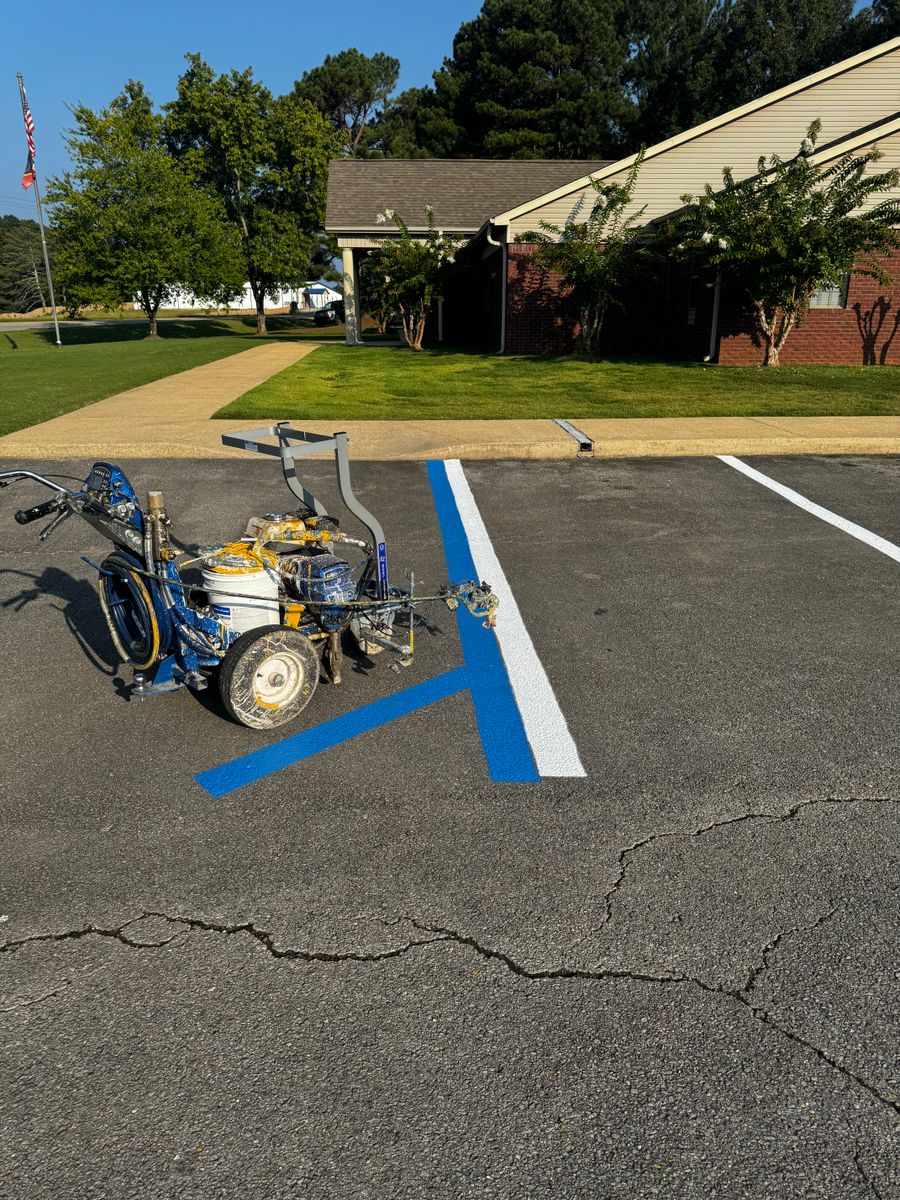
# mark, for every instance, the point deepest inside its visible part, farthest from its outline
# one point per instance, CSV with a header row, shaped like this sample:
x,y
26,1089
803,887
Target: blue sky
x,y
83,52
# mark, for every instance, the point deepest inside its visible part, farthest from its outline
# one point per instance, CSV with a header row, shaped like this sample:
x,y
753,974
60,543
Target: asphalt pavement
x,y
375,973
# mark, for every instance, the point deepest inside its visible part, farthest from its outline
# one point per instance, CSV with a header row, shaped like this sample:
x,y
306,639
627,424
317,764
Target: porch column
x,y
352,315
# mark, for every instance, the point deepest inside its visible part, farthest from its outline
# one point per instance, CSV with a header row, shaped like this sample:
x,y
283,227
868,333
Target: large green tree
x,y
795,226
130,221
757,46
349,90
530,79
592,78
670,75
266,158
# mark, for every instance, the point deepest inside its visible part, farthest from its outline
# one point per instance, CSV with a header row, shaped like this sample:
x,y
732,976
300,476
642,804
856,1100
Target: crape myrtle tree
x,y
349,90
795,226
597,257
374,298
131,222
266,158
406,273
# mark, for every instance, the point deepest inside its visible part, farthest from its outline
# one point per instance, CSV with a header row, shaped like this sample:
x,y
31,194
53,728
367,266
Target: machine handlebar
x,y
26,515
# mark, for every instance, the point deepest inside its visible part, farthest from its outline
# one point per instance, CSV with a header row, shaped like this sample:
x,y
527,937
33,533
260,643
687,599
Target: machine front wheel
x,y
268,676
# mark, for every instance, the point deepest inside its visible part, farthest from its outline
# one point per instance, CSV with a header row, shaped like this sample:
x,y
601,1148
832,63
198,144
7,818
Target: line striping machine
x,y
268,604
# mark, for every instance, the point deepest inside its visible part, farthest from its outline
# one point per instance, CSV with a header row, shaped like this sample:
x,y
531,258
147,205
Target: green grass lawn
x,y
341,383
39,380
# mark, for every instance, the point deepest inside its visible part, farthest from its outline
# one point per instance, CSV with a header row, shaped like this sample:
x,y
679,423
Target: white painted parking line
x,y
864,535
555,753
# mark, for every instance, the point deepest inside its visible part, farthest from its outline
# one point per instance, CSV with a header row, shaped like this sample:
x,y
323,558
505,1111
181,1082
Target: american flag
x,y
28,177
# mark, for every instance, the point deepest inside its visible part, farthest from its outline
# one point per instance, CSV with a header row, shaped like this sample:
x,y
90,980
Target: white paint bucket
x,y
243,587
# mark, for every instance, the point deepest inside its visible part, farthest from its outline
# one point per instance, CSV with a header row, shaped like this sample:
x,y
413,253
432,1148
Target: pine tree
x,y
349,89
762,45
671,74
529,79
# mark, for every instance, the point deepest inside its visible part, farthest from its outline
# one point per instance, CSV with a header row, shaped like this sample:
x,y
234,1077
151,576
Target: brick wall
x,y
865,332
656,321
538,319
653,323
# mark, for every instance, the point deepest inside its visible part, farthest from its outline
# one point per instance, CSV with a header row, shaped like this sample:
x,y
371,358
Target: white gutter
x,y
504,255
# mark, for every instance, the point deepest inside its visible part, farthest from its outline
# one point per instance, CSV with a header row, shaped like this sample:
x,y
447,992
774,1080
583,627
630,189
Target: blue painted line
x,y
500,727
503,736
257,765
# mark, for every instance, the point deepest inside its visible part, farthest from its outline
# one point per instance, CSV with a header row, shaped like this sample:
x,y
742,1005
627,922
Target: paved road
x,y
377,974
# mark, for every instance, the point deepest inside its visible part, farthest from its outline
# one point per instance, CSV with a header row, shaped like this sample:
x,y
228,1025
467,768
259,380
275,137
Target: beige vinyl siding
x,y
847,102
890,149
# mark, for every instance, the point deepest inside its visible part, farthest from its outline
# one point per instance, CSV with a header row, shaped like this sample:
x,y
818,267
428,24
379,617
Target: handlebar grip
x,y
26,515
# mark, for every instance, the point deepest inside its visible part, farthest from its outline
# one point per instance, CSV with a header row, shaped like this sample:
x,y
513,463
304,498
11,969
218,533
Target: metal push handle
x,y
315,443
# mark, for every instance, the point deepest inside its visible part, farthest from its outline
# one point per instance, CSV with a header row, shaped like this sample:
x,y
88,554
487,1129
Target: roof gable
x,y
515,212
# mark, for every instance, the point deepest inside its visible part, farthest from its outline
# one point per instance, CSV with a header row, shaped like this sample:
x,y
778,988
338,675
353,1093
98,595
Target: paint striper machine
x,y
267,606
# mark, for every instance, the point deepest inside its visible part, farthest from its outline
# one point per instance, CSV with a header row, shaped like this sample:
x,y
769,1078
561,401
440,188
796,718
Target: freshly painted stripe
x,y
265,761
503,735
864,535
551,742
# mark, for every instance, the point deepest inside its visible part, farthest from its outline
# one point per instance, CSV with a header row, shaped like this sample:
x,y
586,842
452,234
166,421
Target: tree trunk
x,y
259,296
765,327
150,305
37,283
408,324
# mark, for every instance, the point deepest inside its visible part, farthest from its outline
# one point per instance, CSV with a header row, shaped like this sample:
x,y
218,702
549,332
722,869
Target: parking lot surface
x,y
377,973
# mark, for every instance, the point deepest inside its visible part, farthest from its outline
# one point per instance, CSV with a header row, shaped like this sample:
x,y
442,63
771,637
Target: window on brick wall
x,y
832,295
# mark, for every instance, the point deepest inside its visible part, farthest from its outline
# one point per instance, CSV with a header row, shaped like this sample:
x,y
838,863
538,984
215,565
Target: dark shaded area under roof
x,y
463,192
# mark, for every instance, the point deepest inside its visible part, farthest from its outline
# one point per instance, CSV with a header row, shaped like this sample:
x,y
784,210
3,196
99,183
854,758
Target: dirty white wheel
x,y
268,676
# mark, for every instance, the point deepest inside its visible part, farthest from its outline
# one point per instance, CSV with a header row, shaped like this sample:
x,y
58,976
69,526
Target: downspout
x,y
714,326
504,254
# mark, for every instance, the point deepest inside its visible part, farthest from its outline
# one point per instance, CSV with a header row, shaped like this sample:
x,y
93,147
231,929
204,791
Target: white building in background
x,y
307,296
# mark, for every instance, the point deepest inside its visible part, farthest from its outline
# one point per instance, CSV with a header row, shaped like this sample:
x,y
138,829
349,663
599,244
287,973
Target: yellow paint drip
x,y
237,558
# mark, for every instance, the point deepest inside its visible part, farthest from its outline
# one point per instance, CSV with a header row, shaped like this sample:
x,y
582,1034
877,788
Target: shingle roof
x,y
464,192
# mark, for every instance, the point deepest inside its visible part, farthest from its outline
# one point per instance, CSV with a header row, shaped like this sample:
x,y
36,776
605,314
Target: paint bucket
x,y
243,586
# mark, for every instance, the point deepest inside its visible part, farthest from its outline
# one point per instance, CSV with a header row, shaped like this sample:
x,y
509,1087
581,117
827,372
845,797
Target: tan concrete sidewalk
x,y
171,419
167,418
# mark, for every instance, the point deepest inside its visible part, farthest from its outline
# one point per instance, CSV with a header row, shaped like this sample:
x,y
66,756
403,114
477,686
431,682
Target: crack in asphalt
x,y
34,1000
864,1175
444,934
262,936
601,974
739,995
770,947
623,858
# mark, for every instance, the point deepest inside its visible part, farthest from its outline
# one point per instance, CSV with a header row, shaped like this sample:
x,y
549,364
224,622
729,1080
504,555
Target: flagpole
x,y
40,213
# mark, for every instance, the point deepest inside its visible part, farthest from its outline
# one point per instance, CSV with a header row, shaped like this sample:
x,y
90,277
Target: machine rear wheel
x,y
268,676
129,612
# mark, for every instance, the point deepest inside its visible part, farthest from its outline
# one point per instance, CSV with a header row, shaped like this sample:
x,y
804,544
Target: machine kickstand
x,y
333,656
